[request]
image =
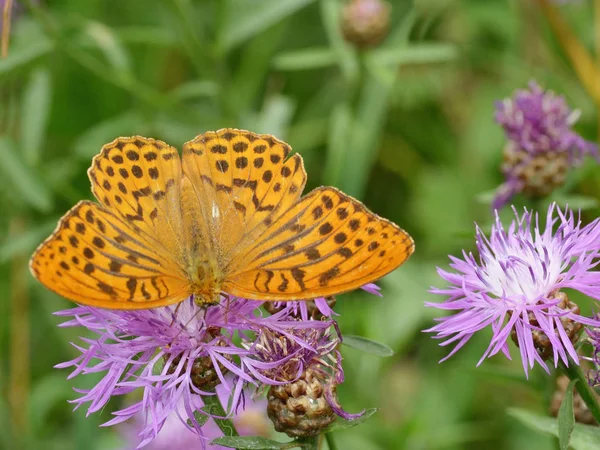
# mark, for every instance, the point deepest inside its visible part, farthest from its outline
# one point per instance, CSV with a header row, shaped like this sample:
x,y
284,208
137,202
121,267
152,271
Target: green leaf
x,y
275,116
341,424
414,54
151,35
20,58
566,418
200,419
340,127
486,198
22,179
247,19
35,113
46,395
213,407
305,59
196,89
126,124
252,443
108,42
247,84
575,202
26,242
368,346
583,437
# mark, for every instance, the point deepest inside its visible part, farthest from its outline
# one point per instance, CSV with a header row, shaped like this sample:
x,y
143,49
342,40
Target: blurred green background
x,y
407,127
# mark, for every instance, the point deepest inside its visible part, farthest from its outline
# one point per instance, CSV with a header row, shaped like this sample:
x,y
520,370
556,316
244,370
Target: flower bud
x,y
365,23
539,173
300,408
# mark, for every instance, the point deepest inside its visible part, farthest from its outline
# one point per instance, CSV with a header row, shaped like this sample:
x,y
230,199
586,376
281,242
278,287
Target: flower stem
x,y
574,372
212,406
309,443
330,441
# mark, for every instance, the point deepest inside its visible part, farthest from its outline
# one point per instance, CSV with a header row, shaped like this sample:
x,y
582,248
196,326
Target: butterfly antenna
x,y
227,307
174,314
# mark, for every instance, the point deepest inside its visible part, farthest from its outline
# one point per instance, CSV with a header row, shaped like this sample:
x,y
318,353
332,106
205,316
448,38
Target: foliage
x,y
406,127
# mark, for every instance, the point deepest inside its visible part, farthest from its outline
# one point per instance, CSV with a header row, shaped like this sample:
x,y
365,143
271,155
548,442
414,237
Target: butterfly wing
x,y
139,179
243,182
325,244
270,243
127,252
94,258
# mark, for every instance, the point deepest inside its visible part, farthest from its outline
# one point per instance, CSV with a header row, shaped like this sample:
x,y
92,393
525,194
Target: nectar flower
x,y
541,145
177,354
174,353
303,367
251,420
514,287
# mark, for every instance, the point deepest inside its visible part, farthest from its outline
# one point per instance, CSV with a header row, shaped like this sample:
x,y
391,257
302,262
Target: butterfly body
x,y
228,216
205,285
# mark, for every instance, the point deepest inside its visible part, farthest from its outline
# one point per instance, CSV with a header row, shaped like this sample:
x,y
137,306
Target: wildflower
x,y
162,353
541,145
515,287
251,420
365,23
303,369
178,354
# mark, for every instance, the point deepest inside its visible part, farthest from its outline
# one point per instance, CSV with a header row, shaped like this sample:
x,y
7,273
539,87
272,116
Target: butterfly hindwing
x,y
94,258
326,244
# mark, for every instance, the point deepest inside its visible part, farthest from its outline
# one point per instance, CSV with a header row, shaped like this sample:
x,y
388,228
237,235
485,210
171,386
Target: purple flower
x,y
541,143
156,350
252,420
177,354
514,287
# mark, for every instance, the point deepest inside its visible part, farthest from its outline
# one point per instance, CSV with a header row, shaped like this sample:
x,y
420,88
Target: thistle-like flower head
x,y
514,287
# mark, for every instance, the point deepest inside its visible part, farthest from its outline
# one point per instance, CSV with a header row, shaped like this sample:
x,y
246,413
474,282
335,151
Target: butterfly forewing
x,y
243,182
139,179
94,258
325,244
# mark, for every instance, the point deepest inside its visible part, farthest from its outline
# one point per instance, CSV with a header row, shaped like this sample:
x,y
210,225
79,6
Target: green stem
x,y
330,441
309,443
586,392
212,405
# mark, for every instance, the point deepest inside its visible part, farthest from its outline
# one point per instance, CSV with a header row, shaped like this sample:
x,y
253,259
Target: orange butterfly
x,y
226,217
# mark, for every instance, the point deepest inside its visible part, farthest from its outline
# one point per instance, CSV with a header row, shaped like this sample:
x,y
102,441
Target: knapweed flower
x,y
541,146
250,420
303,368
514,287
178,354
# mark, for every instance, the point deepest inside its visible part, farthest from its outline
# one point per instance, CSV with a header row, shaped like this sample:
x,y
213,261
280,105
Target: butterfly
x,y
228,216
